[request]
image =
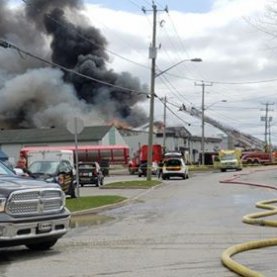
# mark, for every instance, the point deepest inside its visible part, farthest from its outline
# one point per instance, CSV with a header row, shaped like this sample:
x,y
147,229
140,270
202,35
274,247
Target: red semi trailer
x,y
113,154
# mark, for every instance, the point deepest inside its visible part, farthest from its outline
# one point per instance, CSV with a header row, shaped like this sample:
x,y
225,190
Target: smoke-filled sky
x,y
235,39
34,94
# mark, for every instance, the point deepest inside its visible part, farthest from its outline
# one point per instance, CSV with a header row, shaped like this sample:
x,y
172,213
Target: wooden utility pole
x,y
267,119
164,130
203,84
152,56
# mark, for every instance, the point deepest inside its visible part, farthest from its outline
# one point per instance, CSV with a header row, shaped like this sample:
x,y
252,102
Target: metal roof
x,y
14,136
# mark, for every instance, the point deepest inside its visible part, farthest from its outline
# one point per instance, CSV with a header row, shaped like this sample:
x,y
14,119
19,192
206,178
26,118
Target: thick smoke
x,y
36,95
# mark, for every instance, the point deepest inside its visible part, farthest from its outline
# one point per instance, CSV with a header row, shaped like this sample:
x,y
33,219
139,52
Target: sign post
x,y
75,127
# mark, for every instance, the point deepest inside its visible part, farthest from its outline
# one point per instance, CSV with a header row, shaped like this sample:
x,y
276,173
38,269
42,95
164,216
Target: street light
x,y
185,60
154,75
219,101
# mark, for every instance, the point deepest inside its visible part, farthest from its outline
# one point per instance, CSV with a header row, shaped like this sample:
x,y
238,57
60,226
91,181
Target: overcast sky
x,y
239,56
232,37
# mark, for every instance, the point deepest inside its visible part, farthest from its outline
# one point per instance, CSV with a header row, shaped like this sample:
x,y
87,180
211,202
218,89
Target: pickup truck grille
x,y
35,202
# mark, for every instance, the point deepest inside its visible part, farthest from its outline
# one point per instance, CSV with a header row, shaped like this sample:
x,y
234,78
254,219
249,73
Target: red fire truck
x,y
258,157
141,157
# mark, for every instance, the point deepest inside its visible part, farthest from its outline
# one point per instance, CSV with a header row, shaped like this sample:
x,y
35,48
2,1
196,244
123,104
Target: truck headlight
x,y
2,203
63,199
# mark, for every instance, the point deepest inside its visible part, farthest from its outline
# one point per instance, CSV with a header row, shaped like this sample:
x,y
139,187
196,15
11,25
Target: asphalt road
x,y
179,228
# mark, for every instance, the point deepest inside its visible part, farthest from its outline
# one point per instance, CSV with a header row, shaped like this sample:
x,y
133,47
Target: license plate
x,y
85,179
44,227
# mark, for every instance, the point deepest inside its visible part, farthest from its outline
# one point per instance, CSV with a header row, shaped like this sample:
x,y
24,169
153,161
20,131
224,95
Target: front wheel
x,y
45,245
72,191
97,183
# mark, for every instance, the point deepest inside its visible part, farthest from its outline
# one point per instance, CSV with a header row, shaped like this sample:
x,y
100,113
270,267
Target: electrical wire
x,y
5,44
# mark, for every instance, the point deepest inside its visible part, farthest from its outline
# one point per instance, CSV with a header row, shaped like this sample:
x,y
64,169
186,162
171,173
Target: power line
x,y
224,83
5,44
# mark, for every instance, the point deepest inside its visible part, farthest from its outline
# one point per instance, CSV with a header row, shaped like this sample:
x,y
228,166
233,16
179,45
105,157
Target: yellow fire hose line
x,y
255,219
239,268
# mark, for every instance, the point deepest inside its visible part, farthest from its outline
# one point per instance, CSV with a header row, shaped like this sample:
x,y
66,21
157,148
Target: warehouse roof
x,y
92,133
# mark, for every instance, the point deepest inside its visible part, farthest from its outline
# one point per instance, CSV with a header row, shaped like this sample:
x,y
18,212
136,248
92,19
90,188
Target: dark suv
x,y
60,172
90,173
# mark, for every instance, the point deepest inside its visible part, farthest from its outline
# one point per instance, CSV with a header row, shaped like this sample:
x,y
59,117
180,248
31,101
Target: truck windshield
x,y
4,170
228,157
44,167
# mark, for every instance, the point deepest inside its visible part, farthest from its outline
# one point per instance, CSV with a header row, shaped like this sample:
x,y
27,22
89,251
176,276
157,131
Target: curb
x,y
113,206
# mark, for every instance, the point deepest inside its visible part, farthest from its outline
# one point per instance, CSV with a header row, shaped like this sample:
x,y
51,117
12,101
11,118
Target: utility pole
x,y
203,84
152,56
164,130
267,119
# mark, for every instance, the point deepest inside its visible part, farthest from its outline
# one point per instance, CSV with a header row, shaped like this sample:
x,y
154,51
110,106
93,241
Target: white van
x,y
50,155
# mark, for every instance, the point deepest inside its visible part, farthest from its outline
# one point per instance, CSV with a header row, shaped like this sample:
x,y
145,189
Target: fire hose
x,y
255,219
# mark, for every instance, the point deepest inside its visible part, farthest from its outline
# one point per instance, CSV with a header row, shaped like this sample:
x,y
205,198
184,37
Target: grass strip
x,y
135,184
89,202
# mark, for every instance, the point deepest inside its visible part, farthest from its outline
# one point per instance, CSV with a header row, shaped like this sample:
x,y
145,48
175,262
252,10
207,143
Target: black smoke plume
x,y
36,95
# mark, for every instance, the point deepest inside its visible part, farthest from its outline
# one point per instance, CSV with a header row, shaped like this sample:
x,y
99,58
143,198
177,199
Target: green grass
x,y
88,202
135,184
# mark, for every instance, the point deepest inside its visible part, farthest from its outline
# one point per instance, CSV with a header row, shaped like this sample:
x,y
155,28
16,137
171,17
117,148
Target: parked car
x,y
60,172
32,212
90,173
175,167
142,169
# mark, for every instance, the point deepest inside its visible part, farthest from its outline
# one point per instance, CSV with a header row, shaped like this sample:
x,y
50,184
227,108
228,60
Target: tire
x,y
72,190
45,245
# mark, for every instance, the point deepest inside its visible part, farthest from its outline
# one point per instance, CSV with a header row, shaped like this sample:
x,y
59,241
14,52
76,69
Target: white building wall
x,y
135,141
12,150
113,137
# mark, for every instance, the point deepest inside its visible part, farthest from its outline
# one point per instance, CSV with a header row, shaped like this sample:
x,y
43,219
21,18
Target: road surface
x,y
179,228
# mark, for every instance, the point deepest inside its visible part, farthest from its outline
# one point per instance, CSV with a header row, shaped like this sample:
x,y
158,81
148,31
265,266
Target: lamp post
x,y
219,101
185,60
154,75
